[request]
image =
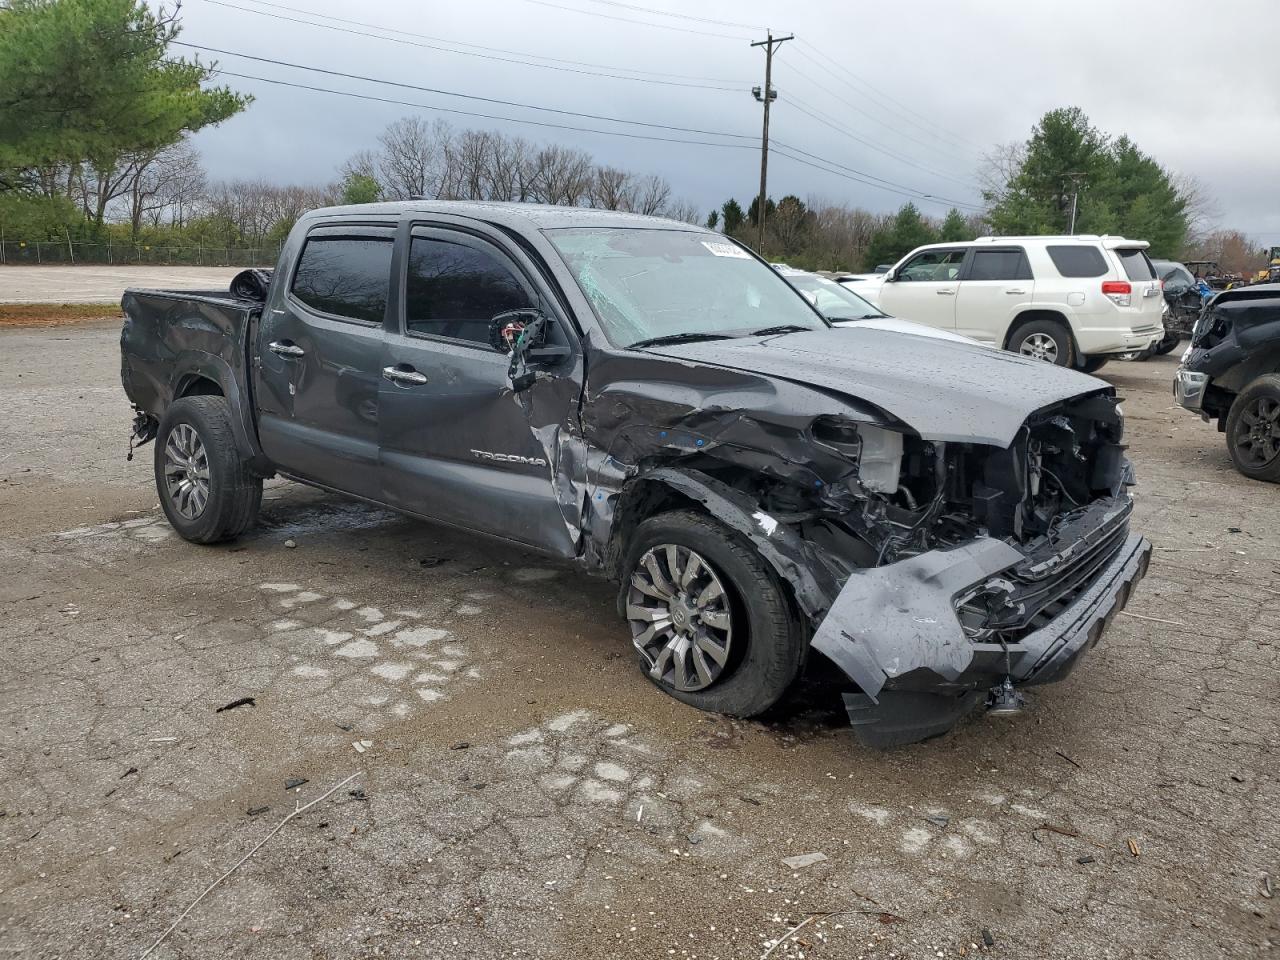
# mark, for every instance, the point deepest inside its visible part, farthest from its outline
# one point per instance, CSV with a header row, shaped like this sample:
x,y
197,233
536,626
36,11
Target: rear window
x,y
1078,261
345,276
1137,265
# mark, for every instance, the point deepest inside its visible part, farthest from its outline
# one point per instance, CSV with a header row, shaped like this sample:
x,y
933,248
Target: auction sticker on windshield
x,y
726,250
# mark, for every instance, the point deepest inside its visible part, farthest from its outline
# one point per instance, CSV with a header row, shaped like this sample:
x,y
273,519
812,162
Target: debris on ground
x,y
163,740
348,727
987,939
461,745
291,544
1133,847
1264,887
429,562
803,860
131,770
1068,759
940,822
361,745
242,702
293,783
256,811
358,794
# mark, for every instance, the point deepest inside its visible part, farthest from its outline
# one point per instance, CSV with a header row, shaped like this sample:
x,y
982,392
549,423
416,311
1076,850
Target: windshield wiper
x,y
678,338
780,328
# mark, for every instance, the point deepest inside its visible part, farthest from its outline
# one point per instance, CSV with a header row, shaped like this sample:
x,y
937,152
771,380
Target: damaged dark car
x,y
948,524
1231,375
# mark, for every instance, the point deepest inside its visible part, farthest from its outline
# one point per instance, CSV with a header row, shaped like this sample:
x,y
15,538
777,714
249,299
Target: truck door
x,y
320,346
996,286
923,289
457,443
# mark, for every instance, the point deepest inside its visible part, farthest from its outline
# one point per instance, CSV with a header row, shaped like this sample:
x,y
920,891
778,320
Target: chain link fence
x,y
62,251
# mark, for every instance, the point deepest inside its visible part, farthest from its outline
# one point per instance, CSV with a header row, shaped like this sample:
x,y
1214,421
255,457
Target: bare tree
x,y
411,159
652,194
166,188
683,210
508,176
999,168
612,189
1202,210
561,175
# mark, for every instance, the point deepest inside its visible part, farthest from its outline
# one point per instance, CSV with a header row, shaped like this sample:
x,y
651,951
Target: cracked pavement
x,y
527,793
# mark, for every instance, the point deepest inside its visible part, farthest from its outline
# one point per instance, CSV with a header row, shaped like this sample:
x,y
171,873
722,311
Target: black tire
x,y
1096,363
1250,442
1032,332
1170,341
233,493
765,658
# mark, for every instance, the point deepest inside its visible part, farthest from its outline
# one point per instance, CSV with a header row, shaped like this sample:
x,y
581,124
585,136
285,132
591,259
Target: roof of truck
x,y
540,215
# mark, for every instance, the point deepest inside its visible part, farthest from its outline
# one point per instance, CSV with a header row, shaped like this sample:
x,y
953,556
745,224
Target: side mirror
x,y
890,276
523,334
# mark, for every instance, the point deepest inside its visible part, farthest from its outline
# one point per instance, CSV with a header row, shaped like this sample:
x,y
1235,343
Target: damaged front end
x,y
931,571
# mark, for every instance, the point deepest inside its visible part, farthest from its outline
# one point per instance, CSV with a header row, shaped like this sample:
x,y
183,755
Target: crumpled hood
x,y
943,390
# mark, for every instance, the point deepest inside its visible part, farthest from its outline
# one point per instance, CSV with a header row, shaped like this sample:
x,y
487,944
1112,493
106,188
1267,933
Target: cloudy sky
x,y
891,100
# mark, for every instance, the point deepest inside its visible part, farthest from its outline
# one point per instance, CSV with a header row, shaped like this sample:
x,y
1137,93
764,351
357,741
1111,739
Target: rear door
x,y
924,288
996,285
320,348
457,443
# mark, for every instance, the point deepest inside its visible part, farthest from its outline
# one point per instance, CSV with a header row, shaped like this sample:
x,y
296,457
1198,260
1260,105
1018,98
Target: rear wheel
x,y
1094,364
709,619
1253,429
1166,345
206,490
1046,340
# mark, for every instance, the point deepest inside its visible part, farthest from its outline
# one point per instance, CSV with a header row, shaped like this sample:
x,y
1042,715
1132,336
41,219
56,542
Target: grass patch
x,y
55,314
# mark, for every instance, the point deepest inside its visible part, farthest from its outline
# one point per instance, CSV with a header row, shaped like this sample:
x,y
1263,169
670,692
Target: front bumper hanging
x,y
895,631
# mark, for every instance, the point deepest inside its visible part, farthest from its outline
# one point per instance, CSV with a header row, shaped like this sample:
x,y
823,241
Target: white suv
x,y
1073,301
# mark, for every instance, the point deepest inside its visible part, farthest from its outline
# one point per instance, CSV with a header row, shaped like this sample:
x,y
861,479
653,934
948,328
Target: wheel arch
x,y
810,586
1039,313
197,373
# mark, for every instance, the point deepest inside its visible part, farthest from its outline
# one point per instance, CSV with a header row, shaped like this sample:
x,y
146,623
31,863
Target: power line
x,y
834,125
871,176
484,116
870,116
887,185
493,54
679,16
454,93
646,23
928,125
905,193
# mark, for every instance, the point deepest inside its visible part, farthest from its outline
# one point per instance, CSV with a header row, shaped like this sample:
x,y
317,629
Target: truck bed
x,y
178,343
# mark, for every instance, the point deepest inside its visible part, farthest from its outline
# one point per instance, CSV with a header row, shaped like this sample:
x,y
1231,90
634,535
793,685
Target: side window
x,y
345,276
454,290
1078,261
999,265
935,265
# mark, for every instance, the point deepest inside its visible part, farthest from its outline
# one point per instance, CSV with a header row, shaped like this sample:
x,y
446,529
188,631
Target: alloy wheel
x,y
1257,435
1040,346
680,617
186,471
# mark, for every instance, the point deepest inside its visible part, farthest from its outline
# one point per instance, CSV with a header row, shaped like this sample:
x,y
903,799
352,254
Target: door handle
x,y
286,348
1016,293
945,293
403,374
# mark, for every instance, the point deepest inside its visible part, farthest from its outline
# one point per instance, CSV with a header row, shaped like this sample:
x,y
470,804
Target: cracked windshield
x,y
648,285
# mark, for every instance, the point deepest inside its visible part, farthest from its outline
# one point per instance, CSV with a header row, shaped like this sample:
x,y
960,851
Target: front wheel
x,y
709,619
1253,429
205,488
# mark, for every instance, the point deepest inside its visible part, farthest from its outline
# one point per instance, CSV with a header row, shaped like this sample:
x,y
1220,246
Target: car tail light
x,y
1120,292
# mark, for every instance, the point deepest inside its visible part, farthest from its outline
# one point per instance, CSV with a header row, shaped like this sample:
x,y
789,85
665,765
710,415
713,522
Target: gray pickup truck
x,y
945,522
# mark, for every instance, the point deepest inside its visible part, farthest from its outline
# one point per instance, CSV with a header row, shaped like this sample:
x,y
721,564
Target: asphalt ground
x,y
102,284
525,792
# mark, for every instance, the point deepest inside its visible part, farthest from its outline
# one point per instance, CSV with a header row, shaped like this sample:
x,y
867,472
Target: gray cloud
x,y
1192,84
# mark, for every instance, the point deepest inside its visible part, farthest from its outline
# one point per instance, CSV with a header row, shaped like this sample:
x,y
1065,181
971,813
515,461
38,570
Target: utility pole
x,y
1076,179
766,97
